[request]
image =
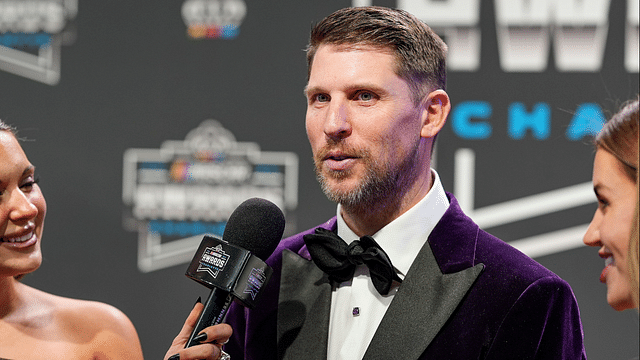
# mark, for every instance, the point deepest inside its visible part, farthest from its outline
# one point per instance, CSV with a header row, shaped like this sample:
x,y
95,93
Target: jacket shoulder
x,y
296,243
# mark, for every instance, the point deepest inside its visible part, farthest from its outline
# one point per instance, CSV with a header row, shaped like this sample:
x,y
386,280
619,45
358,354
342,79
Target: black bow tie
x,y
339,260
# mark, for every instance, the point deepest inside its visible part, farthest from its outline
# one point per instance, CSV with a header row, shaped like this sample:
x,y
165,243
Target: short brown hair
x,y
420,53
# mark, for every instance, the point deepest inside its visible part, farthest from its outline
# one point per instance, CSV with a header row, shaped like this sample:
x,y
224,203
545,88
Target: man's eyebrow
x,y
368,86
363,86
308,90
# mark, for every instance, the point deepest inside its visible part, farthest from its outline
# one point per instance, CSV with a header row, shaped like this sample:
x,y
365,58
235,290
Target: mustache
x,y
342,148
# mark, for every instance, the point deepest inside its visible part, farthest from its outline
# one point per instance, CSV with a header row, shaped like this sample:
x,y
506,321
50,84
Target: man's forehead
x,y
361,46
328,49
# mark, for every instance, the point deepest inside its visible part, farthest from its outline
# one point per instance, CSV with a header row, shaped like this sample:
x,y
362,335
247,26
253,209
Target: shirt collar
x,y
403,238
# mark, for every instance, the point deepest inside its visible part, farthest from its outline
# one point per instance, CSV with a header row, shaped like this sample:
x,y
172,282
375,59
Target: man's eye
x,y
365,96
322,98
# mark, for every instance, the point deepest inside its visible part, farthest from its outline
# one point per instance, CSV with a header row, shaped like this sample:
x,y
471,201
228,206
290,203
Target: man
x,y
376,101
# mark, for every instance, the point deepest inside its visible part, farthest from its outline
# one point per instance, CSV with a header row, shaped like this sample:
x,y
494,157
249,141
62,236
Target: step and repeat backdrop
x,y
150,121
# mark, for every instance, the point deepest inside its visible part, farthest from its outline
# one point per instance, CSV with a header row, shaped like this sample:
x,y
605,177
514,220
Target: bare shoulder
x,y
98,325
72,310
45,324
92,314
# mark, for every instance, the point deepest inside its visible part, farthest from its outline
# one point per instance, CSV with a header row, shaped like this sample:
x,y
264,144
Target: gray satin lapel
x,y
303,309
422,305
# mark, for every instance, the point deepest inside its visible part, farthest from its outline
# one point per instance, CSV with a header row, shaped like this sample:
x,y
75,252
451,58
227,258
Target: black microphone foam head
x,y
256,225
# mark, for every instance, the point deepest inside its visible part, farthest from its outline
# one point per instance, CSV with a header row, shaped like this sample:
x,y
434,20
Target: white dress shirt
x,y
356,306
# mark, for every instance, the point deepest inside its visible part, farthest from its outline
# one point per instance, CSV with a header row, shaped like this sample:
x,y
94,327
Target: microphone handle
x,y
215,308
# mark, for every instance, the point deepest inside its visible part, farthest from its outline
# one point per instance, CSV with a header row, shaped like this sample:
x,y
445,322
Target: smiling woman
x,y
615,182
38,325
35,324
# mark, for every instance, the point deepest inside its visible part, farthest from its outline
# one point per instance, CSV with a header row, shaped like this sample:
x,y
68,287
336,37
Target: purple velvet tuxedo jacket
x,y
468,295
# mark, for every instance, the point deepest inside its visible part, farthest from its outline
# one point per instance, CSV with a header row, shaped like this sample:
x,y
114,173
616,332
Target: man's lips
x,y
337,155
337,161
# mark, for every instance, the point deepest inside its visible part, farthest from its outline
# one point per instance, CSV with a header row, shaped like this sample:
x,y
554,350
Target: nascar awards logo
x,y
32,33
213,19
184,189
213,260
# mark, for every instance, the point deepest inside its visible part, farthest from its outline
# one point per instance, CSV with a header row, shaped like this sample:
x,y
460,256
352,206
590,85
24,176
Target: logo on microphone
x,y
257,278
213,260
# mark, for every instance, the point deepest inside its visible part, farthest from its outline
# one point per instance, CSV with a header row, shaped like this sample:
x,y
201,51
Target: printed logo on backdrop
x,y
574,32
32,33
527,31
184,189
213,19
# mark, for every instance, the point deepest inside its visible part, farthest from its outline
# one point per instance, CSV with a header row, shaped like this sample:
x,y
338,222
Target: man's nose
x,y
337,124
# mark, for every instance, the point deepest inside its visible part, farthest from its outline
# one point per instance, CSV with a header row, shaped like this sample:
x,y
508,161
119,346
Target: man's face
x,y
362,123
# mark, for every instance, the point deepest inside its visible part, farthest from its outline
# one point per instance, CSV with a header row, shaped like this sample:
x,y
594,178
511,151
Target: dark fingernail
x,y
174,357
200,337
197,301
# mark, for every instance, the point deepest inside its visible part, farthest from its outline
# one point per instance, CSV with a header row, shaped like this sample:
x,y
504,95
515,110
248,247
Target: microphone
x,y
234,267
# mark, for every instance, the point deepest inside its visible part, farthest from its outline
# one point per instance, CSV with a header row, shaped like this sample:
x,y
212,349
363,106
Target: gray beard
x,y
367,193
382,186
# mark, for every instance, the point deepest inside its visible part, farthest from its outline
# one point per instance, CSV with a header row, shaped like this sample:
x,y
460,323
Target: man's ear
x,y
436,107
